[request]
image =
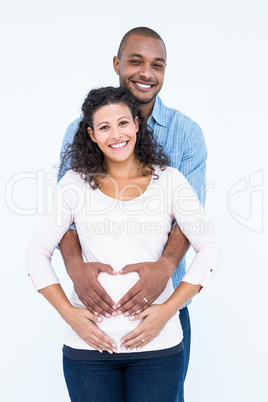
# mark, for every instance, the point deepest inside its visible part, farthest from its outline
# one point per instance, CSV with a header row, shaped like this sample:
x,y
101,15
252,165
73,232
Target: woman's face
x,y
115,132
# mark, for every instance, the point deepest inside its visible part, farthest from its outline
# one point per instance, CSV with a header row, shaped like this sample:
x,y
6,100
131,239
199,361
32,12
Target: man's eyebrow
x,y
135,55
140,56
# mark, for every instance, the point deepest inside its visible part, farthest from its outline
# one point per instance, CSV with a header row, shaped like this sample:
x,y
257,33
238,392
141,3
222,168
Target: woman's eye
x,y
123,123
104,127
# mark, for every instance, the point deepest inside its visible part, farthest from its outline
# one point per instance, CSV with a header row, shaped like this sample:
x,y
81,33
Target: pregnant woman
x,y
123,199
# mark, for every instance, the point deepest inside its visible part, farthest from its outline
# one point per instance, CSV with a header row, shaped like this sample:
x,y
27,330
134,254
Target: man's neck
x,y
147,109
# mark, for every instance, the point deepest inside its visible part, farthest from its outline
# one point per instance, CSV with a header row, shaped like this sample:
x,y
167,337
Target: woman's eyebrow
x,y
103,122
123,117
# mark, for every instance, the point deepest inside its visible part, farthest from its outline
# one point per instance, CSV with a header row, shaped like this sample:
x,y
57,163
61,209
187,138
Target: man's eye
x,y
159,66
134,61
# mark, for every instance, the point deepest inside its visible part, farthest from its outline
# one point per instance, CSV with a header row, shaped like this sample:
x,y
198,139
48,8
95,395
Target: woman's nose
x,y
115,135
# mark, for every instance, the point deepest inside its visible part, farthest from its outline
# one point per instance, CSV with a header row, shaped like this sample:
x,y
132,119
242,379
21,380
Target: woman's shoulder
x,y
170,172
72,177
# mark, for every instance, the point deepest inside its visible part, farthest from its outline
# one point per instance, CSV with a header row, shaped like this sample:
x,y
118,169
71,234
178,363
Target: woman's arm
x,y
46,237
156,316
80,319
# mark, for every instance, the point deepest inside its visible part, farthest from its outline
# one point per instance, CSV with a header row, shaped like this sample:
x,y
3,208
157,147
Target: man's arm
x,y
155,275
85,276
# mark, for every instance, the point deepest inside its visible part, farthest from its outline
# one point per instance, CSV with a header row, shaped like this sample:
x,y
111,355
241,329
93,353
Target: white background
x,y
52,53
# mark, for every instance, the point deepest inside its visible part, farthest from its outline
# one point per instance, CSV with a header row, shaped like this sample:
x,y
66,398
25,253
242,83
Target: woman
x,y
123,199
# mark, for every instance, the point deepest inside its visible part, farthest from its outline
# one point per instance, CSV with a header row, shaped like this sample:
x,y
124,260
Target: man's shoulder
x,y
170,115
73,126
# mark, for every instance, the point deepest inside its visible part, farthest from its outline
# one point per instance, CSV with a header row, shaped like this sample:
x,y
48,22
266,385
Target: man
x,y
140,64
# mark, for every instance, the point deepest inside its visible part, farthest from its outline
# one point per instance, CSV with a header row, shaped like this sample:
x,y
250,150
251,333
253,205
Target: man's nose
x,y
145,72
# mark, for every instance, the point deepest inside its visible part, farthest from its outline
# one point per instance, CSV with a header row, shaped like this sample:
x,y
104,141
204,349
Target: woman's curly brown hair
x,y
85,157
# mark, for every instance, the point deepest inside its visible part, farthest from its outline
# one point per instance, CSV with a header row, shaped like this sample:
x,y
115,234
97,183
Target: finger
x,y
106,268
135,342
133,292
103,340
93,317
98,306
130,268
100,301
133,334
136,317
138,307
143,343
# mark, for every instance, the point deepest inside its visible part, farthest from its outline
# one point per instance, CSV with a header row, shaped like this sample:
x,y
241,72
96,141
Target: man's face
x,y
141,67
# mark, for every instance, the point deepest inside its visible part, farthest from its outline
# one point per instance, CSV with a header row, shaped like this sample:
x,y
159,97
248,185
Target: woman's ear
x,y
136,121
91,134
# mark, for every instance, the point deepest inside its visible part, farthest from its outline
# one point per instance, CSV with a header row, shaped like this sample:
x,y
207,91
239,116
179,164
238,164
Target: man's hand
x,y
89,289
153,279
153,275
82,322
85,276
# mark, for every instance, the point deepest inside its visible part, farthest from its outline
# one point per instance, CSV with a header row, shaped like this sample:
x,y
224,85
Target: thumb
x,y
136,317
130,268
106,268
92,317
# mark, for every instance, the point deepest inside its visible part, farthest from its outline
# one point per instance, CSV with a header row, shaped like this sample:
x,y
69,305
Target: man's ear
x,y
116,64
91,134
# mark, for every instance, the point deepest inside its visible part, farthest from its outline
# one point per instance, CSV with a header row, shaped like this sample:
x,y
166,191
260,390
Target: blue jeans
x,y
186,326
128,380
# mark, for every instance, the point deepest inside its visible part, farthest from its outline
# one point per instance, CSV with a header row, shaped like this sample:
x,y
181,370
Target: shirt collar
x,y
158,113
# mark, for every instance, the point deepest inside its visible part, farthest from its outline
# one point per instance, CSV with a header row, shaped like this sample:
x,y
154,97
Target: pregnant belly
x,y
117,286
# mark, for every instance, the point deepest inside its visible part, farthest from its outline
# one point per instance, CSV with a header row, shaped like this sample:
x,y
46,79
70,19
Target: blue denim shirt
x,y
183,141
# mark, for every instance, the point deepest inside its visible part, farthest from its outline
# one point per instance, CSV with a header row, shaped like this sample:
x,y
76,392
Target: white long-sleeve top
x,y
124,232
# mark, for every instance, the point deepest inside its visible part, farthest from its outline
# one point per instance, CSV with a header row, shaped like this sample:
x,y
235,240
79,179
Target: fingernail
x,y
114,307
122,342
120,271
126,313
107,315
118,305
100,350
99,319
110,351
96,313
113,345
114,314
119,312
137,312
131,317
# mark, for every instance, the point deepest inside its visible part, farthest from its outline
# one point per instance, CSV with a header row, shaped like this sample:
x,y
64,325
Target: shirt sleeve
x,y
199,230
47,235
67,139
193,164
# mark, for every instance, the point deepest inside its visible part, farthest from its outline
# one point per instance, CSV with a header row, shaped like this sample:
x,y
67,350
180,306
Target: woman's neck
x,y
123,170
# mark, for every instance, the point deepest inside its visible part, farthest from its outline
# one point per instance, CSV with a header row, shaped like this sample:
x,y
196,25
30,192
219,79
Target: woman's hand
x,y
83,323
155,318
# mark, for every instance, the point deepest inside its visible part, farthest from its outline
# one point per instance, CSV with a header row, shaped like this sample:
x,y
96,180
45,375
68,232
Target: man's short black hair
x,y
141,31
